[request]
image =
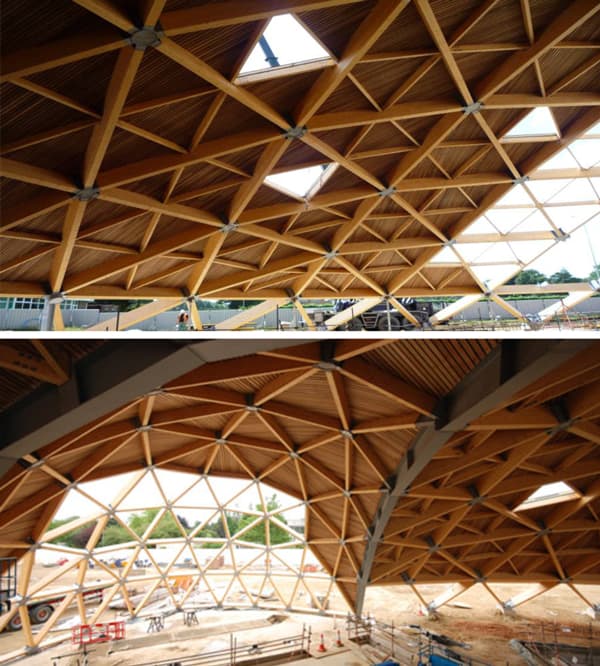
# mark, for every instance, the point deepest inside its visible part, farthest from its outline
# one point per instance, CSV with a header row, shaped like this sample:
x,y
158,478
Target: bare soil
x,y
558,614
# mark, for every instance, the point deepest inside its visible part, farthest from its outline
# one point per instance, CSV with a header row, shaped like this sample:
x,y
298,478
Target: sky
x,y
146,495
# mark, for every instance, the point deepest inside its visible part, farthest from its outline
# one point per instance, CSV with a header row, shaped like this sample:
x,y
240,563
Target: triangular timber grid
x,y
416,110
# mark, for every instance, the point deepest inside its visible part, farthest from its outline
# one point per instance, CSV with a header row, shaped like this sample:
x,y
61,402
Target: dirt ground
x,y
482,625
473,618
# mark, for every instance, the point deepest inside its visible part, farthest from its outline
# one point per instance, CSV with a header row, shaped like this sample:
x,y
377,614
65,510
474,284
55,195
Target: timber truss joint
x,y
86,193
228,228
387,192
296,132
144,37
560,235
327,366
474,107
144,428
560,427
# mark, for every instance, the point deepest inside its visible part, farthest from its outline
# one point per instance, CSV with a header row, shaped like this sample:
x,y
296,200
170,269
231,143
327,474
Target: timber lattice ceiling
x,y
413,457
139,172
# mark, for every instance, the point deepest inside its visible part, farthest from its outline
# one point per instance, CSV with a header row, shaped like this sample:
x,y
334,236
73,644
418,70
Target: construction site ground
x,y
473,618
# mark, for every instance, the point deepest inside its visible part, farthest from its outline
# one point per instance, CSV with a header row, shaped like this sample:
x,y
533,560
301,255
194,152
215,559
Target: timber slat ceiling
x,y
26,365
140,172
331,423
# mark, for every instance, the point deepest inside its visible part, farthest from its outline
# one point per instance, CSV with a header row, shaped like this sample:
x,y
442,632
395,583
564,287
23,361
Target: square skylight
x,y
284,42
537,123
303,183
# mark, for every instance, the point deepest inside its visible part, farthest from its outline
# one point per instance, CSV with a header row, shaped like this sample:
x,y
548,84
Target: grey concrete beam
x,y
117,373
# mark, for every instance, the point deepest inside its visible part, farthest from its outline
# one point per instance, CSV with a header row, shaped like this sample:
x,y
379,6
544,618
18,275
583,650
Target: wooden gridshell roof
x,y
139,172
412,456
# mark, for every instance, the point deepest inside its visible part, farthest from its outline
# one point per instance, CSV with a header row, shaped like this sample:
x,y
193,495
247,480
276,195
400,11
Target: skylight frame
x,y
511,137
269,71
520,196
313,188
567,494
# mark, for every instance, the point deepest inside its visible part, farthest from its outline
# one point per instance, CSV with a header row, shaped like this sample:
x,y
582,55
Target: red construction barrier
x,y
101,632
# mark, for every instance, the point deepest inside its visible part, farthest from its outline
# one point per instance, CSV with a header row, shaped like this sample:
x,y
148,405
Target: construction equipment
x,y
39,609
381,317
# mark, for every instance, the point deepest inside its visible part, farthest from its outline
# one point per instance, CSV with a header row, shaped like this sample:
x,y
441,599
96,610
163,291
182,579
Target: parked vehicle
x,y
40,609
380,317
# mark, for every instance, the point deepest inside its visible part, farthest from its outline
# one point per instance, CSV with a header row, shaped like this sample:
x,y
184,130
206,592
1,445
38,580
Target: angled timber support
x,y
349,313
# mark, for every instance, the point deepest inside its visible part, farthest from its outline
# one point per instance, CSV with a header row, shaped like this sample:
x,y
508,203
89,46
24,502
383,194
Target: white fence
x,y
29,320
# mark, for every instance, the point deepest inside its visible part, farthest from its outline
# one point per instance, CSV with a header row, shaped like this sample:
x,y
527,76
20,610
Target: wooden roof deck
x,y
140,173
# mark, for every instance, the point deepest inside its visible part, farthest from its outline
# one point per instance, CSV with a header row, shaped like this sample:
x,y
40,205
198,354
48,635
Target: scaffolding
x,y
8,582
555,644
393,643
280,650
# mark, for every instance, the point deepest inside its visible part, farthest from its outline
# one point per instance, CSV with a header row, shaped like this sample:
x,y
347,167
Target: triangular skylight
x,y
538,122
586,152
562,160
549,493
593,131
302,183
516,196
445,256
575,254
284,42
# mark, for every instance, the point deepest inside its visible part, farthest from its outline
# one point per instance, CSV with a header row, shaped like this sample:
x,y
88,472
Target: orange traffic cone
x,y
322,647
339,640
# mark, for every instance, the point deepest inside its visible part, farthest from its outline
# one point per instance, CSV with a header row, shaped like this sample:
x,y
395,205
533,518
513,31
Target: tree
x,y
114,534
595,274
257,534
82,535
563,276
166,528
65,539
529,276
